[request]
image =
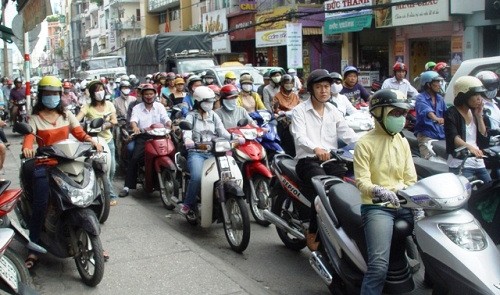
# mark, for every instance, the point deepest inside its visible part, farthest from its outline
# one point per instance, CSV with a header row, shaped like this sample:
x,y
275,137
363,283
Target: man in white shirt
x,y
317,126
399,82
143,116
341,101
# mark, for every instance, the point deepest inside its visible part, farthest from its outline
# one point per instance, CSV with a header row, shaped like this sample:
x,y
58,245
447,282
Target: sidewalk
x,y
147,255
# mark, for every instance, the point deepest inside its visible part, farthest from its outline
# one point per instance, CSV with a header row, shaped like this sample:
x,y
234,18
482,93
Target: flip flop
x,y
105,255
31,261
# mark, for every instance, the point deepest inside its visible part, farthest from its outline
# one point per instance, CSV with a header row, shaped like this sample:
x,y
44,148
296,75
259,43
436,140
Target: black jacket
x,y
454,124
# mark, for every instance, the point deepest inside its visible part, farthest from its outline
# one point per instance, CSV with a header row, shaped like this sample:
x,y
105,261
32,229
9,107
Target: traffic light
x,y
492,9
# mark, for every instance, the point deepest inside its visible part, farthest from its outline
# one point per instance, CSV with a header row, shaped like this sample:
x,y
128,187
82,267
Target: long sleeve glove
x,y
381,195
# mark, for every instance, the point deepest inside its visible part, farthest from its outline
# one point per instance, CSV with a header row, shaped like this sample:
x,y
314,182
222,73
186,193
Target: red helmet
x,y
215,88
441,66
147,87
228,91
399,66
67,85
104,80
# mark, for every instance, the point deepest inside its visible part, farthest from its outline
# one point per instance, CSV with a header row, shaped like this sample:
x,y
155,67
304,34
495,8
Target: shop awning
x,y
6,34
347,24
311,31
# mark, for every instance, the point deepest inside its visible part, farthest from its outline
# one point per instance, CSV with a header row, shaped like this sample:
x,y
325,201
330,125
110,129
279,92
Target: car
x,y
472,67
220,73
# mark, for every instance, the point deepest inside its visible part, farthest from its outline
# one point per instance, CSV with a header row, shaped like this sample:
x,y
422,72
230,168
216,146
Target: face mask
x,y
276,79
207,106
126,91
246,87
229,104
394,124
209,81
336,88
288,87
491,94
51,101
99,95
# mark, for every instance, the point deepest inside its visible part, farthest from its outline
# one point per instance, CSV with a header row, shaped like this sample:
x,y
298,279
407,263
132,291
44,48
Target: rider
x,y
230,78
143,115
429,66
272,88
317,127
297,85
50,123
464,126
430,107
68,97
206,124
399,82
193,82
230,113
168,87
491,82
339,100
247,98
354,91
443,69
124,100
16,94
383,165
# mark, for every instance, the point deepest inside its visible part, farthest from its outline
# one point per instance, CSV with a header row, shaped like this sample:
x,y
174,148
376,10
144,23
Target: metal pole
x,y
6,72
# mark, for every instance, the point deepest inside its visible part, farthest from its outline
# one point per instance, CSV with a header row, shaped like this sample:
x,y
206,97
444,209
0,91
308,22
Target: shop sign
x,y
268,20
270,38
349,24
410,14
332,5
242,27
215,22
248,5
294,45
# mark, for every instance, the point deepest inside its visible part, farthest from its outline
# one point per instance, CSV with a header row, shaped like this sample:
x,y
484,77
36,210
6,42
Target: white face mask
x,y
288,86
336,88
246,87
207,106
276,79
229,104
126,91
99,95
209,80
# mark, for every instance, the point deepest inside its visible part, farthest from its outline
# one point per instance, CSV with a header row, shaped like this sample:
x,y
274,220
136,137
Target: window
x,y
138,15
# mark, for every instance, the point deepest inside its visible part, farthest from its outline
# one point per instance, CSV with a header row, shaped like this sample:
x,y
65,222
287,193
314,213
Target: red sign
x,y
243,27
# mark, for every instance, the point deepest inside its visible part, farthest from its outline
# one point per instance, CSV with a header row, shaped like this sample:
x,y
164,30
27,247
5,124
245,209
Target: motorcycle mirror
x,y
22,128
185,125
242,122
96,123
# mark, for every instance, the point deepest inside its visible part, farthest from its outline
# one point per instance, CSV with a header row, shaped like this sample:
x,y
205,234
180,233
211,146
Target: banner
x,y
350,21
270,38
35,12
216,22
294,45
410,14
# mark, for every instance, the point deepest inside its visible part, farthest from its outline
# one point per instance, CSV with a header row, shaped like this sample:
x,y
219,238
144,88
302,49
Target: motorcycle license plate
x,y
8,273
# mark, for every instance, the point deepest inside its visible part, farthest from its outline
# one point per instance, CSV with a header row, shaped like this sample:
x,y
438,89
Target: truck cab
x,y
188,61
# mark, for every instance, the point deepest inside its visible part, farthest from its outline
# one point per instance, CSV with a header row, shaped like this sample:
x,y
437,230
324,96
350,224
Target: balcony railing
x,y
159,5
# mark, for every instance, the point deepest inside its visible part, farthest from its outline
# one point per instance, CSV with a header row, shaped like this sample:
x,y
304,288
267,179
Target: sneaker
x,y
124,192
184,209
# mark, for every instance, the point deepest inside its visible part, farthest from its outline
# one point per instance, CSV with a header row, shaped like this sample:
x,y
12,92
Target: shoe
x,y
311,241
124,192
184,209
113,202
7,144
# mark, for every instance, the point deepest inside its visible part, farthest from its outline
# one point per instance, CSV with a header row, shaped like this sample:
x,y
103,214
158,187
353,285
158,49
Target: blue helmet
x,y
350,69
428,77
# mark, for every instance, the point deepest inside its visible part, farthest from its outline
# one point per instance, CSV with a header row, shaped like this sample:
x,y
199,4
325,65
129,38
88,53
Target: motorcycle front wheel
x,y
105,199
237,230
23,276
285,208
261,185
89,258
170,189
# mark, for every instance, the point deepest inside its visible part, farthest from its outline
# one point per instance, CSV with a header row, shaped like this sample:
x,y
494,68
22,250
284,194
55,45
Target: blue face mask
x,y
51,101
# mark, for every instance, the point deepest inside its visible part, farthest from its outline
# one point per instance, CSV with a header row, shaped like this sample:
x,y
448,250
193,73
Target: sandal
x,y
105,254
113,202
31,261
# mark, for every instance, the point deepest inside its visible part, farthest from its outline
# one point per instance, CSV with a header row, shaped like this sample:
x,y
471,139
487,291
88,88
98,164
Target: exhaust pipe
x,y
319,265
276,220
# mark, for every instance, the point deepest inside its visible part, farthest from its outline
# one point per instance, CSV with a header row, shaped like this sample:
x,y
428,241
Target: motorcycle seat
x,y
288,168
439,148
427,168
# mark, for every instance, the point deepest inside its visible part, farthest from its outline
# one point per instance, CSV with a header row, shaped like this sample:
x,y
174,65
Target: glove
x,y
381,195
188,143
241,139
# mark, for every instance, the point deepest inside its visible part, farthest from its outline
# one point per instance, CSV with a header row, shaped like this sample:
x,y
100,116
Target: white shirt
x,y
403,86
145,118
494,117
310,130
343,104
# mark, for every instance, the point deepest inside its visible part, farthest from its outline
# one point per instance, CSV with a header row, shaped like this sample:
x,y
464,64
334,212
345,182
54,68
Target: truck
x,y
178,52
108,66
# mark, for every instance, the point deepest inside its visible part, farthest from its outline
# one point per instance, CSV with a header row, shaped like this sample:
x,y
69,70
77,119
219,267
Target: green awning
x,y
6,34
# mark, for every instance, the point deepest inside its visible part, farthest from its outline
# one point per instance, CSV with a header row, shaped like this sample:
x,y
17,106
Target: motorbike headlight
x,y
81,197
469,236
158,131
222,146
249,134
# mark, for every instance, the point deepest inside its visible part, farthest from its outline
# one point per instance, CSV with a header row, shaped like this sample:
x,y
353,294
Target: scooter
x,y
22,114
71,227
252,160
269,140
14,277
221,196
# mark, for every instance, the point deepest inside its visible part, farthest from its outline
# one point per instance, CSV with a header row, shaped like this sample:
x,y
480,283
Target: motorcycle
x,y
22,114
252,160
269,140
14,277
221,196
71,227
449,239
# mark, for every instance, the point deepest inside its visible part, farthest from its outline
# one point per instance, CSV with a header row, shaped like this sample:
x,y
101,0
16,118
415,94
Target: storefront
x,y
242,38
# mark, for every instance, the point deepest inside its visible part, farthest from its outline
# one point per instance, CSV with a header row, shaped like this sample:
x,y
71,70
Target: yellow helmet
x,y
230,75
50,83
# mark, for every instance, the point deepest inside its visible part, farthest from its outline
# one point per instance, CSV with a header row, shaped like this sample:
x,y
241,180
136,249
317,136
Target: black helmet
x,y
286,79
191,80
389,97
18,80
316,76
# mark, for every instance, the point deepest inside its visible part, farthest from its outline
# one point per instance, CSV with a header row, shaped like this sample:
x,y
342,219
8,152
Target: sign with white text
x,y
294,45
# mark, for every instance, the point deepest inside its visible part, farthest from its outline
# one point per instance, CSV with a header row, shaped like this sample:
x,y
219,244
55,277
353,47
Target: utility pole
x,y
5,49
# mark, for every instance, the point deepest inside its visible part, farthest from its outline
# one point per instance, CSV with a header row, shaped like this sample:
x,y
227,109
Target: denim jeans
x,y
112,168
195,165
378,224
473,173
41,195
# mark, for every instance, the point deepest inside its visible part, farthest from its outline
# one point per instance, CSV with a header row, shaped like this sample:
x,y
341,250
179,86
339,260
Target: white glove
x,y
188,143
381,195
241,139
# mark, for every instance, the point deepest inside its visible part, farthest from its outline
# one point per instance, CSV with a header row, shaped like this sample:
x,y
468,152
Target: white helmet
x,y
149,76
292,71
203,93
132,76
124,77
83,84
